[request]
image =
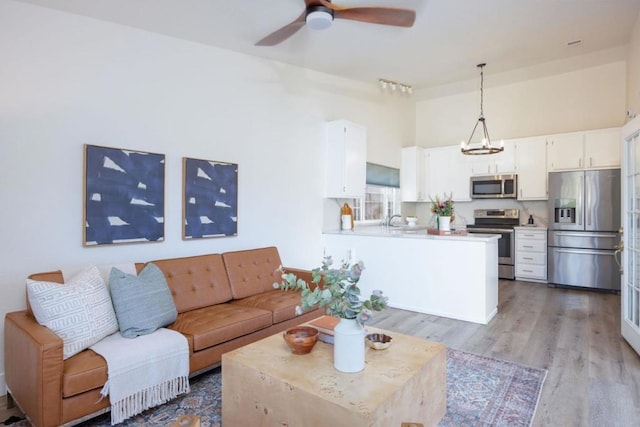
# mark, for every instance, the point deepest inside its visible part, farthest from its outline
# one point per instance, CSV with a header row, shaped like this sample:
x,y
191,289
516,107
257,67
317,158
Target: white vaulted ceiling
x,y
447,41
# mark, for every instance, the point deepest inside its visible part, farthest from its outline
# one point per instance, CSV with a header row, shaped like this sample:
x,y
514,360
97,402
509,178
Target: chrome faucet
x,y
391,219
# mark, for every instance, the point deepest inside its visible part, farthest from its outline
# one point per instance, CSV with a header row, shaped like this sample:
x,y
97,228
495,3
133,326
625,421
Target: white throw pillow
x,y
79,311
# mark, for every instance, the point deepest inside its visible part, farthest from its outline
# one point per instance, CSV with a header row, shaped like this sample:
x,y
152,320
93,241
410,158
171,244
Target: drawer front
x,y
535,258
532,271
533,235
531,245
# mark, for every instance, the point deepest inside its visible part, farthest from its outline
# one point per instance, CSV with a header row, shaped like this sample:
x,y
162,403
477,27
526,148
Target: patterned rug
x,y
481,391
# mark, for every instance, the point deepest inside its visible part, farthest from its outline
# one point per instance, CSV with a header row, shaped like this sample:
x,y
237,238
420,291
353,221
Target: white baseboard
x,y
3,385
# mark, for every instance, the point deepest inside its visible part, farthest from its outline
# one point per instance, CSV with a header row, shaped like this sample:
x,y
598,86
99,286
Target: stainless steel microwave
x,y
494,187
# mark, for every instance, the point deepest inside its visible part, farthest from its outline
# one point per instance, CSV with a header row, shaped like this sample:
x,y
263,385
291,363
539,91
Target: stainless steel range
x,y
501,222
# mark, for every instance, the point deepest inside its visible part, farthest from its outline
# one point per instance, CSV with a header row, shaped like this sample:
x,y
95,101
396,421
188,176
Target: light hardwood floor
x,y
593,375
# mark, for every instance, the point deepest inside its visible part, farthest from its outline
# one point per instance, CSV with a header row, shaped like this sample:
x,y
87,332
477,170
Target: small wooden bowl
x,y
379,341
301,339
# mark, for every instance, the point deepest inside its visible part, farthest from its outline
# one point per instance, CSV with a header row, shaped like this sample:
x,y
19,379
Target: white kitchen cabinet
x,y
493,164
531,254
413,175
565,151
531,168
598,149
346,150
602,148
448,172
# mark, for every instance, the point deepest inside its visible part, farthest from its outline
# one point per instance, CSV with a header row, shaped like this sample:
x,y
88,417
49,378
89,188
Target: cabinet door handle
x,y
527,246
527,258
527,271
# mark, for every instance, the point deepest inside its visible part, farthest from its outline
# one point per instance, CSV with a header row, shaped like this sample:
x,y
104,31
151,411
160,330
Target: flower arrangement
x,y
337,289
442,207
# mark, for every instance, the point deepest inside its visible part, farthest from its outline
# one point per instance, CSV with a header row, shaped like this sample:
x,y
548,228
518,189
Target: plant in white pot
x,y
337,290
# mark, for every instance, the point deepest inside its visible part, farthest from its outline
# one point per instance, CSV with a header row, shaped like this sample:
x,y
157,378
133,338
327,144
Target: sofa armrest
x,y
34,368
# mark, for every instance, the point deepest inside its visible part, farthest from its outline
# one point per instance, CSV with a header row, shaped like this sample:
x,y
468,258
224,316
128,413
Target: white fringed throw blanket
x,y
143,372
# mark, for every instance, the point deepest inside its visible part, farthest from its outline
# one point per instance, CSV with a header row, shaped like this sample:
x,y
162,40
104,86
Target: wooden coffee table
x,y
264,384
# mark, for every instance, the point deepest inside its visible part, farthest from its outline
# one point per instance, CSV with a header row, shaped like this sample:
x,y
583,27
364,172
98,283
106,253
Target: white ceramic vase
x,y
444,223
348,346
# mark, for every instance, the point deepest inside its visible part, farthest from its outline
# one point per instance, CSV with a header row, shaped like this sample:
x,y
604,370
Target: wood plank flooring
x,y
593,375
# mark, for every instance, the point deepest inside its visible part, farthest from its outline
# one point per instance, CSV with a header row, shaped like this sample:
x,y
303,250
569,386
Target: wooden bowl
x,y
301,339
379,341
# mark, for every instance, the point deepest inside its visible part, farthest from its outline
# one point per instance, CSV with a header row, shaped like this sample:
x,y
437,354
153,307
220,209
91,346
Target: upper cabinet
x,y
433,172
448,172
602,148
596,149
413,175
531,167
493,164
346,150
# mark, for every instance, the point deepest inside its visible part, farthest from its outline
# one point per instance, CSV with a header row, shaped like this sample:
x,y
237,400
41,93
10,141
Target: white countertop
x,y
528,227
408,233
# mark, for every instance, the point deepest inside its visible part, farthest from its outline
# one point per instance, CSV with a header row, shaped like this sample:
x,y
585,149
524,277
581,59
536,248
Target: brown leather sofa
x,y
224,301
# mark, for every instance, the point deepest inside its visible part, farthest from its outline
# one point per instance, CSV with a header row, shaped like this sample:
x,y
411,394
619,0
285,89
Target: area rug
x,y
481,391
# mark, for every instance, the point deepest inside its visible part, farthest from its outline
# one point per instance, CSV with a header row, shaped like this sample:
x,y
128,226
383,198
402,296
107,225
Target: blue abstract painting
x,y
124,196
210,199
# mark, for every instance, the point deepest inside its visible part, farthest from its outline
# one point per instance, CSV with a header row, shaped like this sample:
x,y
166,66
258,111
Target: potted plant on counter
x,y
337,290
444,210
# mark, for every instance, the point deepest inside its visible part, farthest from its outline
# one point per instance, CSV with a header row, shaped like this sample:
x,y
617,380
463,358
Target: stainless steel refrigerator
x,y
584,225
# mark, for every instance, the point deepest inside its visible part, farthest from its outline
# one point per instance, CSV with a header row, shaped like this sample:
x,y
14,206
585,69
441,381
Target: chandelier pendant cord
x,y
485,147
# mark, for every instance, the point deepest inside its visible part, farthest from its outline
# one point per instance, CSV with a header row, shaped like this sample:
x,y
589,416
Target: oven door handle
x,y
490,230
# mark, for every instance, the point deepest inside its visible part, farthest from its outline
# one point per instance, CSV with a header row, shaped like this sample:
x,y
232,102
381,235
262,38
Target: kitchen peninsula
x,y
451,276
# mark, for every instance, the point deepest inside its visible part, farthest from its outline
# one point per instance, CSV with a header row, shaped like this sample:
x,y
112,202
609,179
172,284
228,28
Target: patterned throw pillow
x,y
79,311
143,303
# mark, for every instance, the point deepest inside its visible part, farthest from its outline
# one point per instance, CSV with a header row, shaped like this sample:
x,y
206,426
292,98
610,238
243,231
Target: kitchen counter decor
x,y
337,290
440,232
444,210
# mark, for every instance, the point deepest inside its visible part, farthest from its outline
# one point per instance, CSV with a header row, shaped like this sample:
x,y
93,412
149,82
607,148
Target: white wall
x,y
67,80
633,70
590,98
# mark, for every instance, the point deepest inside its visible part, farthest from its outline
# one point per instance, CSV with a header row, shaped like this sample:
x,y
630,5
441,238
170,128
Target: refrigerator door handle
x,y
583,193
584,252
587,199
582,234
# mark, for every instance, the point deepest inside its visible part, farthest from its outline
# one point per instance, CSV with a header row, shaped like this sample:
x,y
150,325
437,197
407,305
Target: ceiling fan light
x,y
319,20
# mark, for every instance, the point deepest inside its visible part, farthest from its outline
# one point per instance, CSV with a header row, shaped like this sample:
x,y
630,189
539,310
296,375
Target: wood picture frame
x,y
210,199
123,196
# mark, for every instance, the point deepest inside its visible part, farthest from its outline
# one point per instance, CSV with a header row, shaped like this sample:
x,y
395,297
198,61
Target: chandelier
x,y
485,146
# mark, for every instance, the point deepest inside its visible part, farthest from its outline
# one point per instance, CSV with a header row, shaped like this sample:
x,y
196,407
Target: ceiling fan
x,y
319,14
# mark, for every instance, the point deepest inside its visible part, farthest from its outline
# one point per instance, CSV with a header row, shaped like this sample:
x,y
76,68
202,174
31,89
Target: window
x,y
379,203
382,195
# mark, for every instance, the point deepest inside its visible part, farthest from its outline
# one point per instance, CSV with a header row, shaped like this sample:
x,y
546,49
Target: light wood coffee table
x,y
264,384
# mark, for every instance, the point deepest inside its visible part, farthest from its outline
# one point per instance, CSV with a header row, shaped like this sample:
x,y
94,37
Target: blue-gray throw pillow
x,y
142,303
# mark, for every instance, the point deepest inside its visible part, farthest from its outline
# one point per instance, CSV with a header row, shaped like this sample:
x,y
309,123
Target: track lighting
x,y
395,86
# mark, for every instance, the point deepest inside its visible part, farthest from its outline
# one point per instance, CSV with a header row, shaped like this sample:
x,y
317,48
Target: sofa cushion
x,y
219,323
282,304
83,372
252,272
79,311
197,281
143,303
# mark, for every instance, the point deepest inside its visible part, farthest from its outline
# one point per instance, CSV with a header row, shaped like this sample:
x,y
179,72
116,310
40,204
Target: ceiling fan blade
x,y
378,15
283,33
